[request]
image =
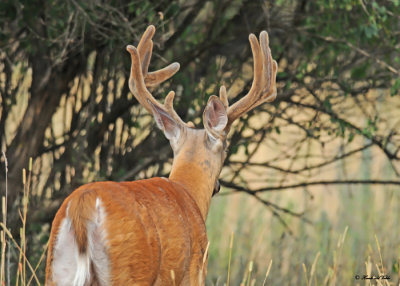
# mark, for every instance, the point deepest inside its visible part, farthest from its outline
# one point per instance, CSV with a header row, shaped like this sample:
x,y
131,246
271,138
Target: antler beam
x,y
140,79
263,88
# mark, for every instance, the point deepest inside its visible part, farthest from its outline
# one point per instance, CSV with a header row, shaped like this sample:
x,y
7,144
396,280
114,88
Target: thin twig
x,y
306,184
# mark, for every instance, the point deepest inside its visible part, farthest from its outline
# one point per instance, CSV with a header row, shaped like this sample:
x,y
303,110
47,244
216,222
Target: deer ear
x,y
215,117
166,123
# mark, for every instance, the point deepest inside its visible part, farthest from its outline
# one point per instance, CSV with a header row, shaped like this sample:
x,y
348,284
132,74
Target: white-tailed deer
x,y
152,232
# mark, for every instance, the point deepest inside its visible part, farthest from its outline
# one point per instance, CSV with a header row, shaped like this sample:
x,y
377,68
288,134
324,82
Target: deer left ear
x,y
166,123
215,117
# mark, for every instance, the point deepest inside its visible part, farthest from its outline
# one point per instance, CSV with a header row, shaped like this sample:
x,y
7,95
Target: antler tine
x,y
263,88
140,79
145,48
223,96
169,105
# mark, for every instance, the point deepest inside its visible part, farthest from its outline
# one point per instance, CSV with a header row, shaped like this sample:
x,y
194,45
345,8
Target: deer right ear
x,y
215,117
166,123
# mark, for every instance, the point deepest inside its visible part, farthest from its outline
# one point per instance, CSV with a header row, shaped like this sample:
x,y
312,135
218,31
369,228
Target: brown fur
x,y
153,226
81,210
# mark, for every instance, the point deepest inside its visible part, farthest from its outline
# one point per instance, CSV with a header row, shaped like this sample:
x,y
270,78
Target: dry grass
x,y
26,273
354,233
361,239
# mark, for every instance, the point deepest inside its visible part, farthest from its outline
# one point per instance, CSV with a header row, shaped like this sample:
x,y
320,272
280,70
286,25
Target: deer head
x,y
199,153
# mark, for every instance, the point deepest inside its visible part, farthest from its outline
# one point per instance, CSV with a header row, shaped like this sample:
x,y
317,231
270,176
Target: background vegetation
x,y
310,181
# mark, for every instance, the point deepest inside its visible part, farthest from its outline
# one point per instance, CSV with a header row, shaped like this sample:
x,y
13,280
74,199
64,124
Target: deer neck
x,y
197,179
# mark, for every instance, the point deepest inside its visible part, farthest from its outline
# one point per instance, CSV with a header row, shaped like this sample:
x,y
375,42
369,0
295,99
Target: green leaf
x,y
371,30
327,104
234,149
359,72
351,137
394,90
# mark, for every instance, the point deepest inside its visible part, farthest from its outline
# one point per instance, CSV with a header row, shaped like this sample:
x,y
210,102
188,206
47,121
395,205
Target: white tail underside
x,y
69,265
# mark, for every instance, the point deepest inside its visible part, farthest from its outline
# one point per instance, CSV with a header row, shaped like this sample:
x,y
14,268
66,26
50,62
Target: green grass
x,y
332,250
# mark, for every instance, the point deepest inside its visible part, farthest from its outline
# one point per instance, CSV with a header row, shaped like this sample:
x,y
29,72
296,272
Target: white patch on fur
x,y
97,238
70,267
82,274
65,254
